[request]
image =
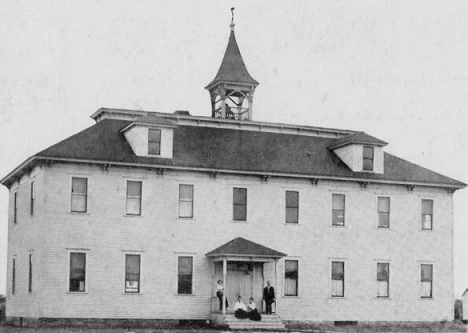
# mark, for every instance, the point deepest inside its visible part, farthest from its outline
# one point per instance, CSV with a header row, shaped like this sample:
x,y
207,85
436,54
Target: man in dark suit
x,y
268,297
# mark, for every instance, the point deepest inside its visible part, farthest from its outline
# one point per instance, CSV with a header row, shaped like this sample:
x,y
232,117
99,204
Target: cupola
x,y
232,89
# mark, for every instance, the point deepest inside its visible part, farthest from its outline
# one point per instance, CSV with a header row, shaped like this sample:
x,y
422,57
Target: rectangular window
x,y
338,209
186,201
383,279
384,212
15,207
79,196
426,280
368,158
185,275
154,141
426,214
291,277
337,279
30,274
77,272
292,207
132,273
13,276
239,204
31,206
133,198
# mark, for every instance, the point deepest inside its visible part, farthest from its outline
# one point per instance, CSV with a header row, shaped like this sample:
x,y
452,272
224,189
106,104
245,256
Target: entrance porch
x,y
244,267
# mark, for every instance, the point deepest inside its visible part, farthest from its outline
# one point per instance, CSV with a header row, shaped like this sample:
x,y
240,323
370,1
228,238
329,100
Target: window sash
x,y
426,214
185,201
13,276
368,158
132,273
32,194
337,279
134,189
291,277
239,204
383,279
79,195
292,207
185,275
77,272
15,207
426,280
30,274
154,141
383,209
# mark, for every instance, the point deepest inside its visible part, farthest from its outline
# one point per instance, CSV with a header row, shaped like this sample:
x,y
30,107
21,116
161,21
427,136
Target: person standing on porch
x,y
268,297
220,293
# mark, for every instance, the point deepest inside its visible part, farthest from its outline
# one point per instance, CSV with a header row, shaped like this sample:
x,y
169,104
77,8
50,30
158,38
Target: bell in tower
x,y
232,90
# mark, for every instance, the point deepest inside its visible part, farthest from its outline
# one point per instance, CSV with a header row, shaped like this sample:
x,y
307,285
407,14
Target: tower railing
x,y
233,112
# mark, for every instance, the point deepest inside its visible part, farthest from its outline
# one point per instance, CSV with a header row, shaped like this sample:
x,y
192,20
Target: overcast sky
x,y
397,70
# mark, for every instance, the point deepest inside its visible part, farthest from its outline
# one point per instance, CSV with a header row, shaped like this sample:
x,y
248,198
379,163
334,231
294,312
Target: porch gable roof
x,y
243,247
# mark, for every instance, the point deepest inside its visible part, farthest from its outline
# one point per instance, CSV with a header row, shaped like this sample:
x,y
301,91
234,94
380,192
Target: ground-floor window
x,y
13,276
30,274
291,277
383,274
77,272
337,287
132,273
184,275
426,280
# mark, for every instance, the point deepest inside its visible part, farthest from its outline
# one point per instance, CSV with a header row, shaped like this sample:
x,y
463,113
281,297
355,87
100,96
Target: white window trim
x,y
426,262
77,250
176,284
124,255
70,211
14,258
421,198
32,197
377,196
383,261
330,203
299,284
126,180
178,183
292,189
330,269
31,273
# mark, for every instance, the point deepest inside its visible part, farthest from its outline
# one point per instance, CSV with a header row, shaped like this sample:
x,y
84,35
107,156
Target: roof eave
x,y
378,144
280,255
219,81
6,180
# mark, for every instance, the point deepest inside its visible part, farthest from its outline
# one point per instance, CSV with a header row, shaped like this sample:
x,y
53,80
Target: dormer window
x,y
154,141
368,158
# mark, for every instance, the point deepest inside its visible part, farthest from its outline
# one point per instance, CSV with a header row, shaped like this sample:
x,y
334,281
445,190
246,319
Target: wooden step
x,y
271,322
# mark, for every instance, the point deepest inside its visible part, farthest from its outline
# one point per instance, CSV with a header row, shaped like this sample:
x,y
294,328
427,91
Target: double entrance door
x,y
243,279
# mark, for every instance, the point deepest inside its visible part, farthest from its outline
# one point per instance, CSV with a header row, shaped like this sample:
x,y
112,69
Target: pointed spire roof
x,y
233,68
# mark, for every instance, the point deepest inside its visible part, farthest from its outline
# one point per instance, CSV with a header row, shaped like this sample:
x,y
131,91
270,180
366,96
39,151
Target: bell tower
x,y
232,89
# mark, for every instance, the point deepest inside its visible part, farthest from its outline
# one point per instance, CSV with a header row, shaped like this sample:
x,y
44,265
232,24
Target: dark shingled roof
x,y
242,247
359,137
233,68
238,150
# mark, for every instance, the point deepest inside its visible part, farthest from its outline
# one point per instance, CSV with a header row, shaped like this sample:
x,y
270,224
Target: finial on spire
x,y
232,19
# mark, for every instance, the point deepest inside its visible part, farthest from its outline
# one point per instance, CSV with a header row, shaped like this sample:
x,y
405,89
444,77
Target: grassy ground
x,y
291,327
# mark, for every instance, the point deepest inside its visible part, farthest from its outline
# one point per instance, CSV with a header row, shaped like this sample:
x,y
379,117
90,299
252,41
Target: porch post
x,y
276,284
224,282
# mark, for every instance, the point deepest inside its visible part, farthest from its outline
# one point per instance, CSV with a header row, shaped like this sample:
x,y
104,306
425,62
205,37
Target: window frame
x,y
387,280
332,279
140,256
85,195
379,226
15,207
421,264
371,159
32,195
152,141
30,273
13,275
69,254
343,210
286,207
192,284
423,215
297,278
127,197
244,205
180,201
